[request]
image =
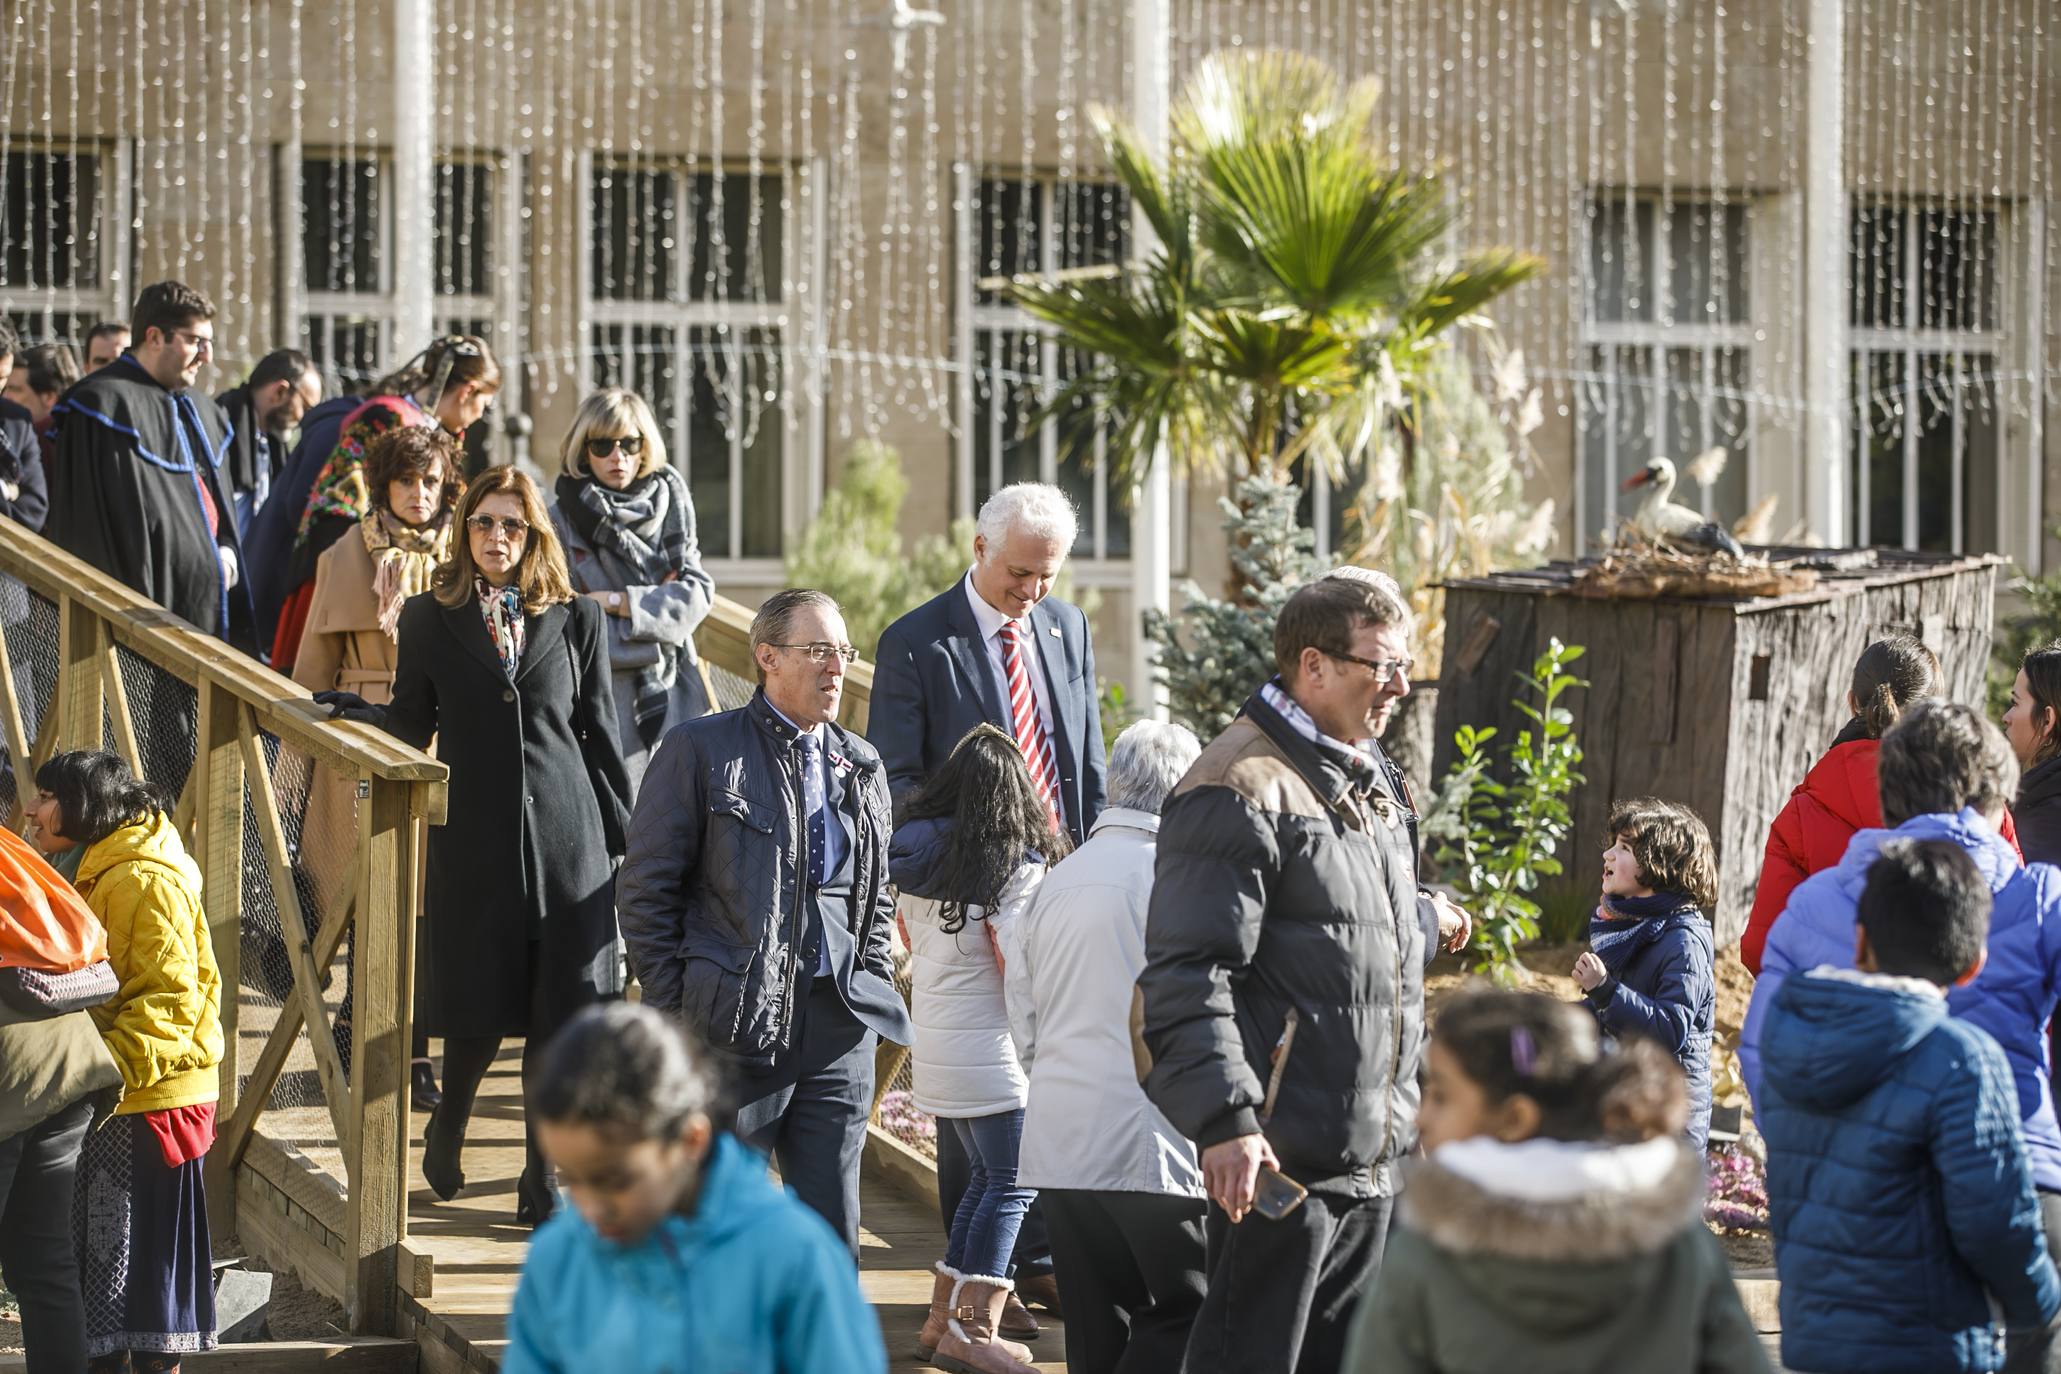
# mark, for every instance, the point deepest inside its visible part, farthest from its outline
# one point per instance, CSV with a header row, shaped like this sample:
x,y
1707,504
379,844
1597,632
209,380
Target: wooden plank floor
x,y
478,1249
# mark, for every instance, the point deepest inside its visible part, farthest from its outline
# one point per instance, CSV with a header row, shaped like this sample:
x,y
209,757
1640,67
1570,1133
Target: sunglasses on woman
x,y
514,526
632,444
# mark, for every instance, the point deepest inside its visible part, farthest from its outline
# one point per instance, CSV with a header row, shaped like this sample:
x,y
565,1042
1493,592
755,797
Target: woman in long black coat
x,y
508,670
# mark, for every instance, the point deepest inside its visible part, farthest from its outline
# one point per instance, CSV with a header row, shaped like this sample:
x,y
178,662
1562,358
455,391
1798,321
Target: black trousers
x,y
2037,1349
37,1170
1131,1278
1033,1253
1282,1293
468,1057
809,1112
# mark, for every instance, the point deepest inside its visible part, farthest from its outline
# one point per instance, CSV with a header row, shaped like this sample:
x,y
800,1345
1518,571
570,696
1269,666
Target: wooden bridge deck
x,y
478,1250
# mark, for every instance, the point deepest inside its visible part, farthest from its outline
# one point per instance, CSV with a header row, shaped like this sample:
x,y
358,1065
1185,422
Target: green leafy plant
x,y
1222,648
1496,838
1117,712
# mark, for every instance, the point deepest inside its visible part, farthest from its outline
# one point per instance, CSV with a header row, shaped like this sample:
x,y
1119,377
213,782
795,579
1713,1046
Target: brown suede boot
x,y
937,1322
971,1344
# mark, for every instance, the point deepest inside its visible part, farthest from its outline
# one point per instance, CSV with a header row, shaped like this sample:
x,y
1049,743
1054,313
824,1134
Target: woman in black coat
x,y
508,670
2033,725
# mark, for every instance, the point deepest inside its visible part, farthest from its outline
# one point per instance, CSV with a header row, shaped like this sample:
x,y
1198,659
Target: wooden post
x,y
80,699
16,732
379,1056
218,845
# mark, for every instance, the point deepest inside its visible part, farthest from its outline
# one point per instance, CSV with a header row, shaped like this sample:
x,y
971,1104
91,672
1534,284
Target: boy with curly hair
x,y
1649,969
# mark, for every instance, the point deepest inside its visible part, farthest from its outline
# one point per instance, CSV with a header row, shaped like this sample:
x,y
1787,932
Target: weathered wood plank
x,y
379,1055
217,783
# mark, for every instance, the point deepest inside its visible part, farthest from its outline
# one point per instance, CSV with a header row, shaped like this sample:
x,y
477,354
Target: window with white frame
x,y
1667,350
347,250
1927,346
686,301
1010,227
59,233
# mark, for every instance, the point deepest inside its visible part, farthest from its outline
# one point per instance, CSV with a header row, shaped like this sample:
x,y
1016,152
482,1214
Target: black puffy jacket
x,y
1281,883
712,898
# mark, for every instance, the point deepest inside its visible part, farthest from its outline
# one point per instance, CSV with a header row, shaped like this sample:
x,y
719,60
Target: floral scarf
x,y
501,608
340,486
403,557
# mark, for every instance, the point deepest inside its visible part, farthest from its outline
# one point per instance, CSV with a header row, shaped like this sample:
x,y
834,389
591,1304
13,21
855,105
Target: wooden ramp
x,y
475,1250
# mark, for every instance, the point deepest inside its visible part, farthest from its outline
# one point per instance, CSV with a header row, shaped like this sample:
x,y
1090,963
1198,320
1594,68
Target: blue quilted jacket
x,y
1898,1185
1662,986
2014,997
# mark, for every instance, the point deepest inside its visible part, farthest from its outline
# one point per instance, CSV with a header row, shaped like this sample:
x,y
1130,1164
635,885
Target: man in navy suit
x,y
946,667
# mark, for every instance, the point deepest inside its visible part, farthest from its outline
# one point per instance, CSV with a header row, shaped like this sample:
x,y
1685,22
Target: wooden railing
x,y
248,750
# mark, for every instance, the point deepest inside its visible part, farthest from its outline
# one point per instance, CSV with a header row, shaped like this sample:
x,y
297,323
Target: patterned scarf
x,y
340,486
644,536
501,608
1358,766
403,557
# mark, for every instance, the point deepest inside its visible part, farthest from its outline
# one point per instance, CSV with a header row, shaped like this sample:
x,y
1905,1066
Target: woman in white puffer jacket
x,y
975,841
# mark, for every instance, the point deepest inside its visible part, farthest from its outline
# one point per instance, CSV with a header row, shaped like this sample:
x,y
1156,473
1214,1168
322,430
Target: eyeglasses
x,y
819,652
514,526
1384,668
632,444
201,343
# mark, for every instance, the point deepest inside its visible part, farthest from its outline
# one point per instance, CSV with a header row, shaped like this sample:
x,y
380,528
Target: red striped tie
x,y
1028,728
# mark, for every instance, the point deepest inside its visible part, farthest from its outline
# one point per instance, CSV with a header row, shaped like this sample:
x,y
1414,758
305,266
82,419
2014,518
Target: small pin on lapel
x,y
1052,630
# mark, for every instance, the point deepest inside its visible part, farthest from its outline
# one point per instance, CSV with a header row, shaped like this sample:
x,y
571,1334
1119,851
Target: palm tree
x,y
1297,280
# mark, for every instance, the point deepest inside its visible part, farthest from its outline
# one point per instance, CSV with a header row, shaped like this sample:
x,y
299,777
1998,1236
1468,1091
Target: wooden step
x,y
344,1355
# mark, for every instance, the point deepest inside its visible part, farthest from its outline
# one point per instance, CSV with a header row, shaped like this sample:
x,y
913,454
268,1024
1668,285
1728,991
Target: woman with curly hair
x,y
976,841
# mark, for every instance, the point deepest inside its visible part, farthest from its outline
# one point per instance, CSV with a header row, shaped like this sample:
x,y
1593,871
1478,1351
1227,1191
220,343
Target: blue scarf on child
x,y
1634,922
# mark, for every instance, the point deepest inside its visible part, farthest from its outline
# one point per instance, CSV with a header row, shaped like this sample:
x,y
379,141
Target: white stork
x,y
1660,519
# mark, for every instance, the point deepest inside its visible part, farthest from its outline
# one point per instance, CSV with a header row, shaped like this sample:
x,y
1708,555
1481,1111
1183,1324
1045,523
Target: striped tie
x,y
1024,722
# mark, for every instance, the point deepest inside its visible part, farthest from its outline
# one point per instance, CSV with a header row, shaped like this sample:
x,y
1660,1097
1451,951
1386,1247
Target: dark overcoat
x,y
539,801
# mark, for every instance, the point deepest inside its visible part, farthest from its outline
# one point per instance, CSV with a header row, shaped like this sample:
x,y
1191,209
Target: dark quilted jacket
x,y
712,900
1898,1186
1278,885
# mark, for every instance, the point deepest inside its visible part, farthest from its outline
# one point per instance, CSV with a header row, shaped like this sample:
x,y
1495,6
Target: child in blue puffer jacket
x,y
679,1252
1649,969
1899,1190
1945,774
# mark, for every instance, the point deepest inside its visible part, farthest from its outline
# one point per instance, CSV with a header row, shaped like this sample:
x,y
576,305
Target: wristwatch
x,y
615,602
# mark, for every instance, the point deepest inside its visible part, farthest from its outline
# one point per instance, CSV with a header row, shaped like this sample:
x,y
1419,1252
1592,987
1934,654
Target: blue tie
x,y
815,804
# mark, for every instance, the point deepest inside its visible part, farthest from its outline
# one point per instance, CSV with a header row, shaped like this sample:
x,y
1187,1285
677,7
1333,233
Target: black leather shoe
x,y
536,1198
440,1146
422,1090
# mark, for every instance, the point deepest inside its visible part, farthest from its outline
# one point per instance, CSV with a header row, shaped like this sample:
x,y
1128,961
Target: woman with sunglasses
x,y
627,524
508,670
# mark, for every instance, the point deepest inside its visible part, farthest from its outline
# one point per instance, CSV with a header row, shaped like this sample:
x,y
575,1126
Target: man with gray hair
x,y
1125,1216
997,648
755,903
1285,949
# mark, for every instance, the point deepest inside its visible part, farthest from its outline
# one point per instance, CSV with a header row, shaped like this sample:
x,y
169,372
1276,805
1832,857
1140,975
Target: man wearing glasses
x,y
755,903
1285,946
135,490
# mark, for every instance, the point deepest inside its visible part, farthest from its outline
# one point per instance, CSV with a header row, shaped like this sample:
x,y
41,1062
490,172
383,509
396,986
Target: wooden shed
x,y
1719,704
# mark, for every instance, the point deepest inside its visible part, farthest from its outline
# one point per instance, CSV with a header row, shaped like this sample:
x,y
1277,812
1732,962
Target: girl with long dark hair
x,y
2033,725
976,841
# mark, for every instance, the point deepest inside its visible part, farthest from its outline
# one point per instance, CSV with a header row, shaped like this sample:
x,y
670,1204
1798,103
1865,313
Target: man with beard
x,y
282,388
136,491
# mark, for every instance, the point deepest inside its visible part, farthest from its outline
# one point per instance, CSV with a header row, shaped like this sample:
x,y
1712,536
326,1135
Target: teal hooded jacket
x,y
753,1283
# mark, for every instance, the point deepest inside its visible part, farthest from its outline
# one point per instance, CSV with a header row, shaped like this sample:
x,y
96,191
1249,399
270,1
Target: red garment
x,y
1839,796
182,1133
293,623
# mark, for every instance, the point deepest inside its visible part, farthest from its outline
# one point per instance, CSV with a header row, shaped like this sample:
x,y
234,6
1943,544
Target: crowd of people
x,y
1168,1001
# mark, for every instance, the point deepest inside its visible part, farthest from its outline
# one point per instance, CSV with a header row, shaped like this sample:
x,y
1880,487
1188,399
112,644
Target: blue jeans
x,y
984,1228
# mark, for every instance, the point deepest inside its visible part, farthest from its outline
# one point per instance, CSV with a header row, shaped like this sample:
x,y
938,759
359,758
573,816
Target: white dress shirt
x,y
991,622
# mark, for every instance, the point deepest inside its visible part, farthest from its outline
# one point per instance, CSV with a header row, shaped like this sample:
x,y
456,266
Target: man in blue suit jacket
x,y
940,671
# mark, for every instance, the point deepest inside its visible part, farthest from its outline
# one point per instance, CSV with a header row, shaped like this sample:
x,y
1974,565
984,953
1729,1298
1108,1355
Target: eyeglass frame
x,y
513,527
1384,668
201,343
819,651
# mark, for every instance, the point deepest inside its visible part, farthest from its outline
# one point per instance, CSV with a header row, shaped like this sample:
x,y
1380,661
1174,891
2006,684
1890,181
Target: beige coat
x,y
343,649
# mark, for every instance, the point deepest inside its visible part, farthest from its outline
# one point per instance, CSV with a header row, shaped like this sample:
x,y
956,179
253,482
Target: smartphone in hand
x,y
1275,1194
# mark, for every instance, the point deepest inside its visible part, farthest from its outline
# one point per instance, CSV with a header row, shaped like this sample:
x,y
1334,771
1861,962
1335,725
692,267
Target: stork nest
x,y
1641,569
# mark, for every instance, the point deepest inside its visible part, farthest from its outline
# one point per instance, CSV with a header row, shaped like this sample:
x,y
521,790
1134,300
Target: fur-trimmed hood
x,y
1559,1236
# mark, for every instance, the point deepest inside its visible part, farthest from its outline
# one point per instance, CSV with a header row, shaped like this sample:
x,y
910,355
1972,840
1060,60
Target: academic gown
x,y
137,493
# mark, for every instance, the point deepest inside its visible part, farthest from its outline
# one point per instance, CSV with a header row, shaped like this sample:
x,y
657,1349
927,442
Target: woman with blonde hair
x,y
627,523
508,670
